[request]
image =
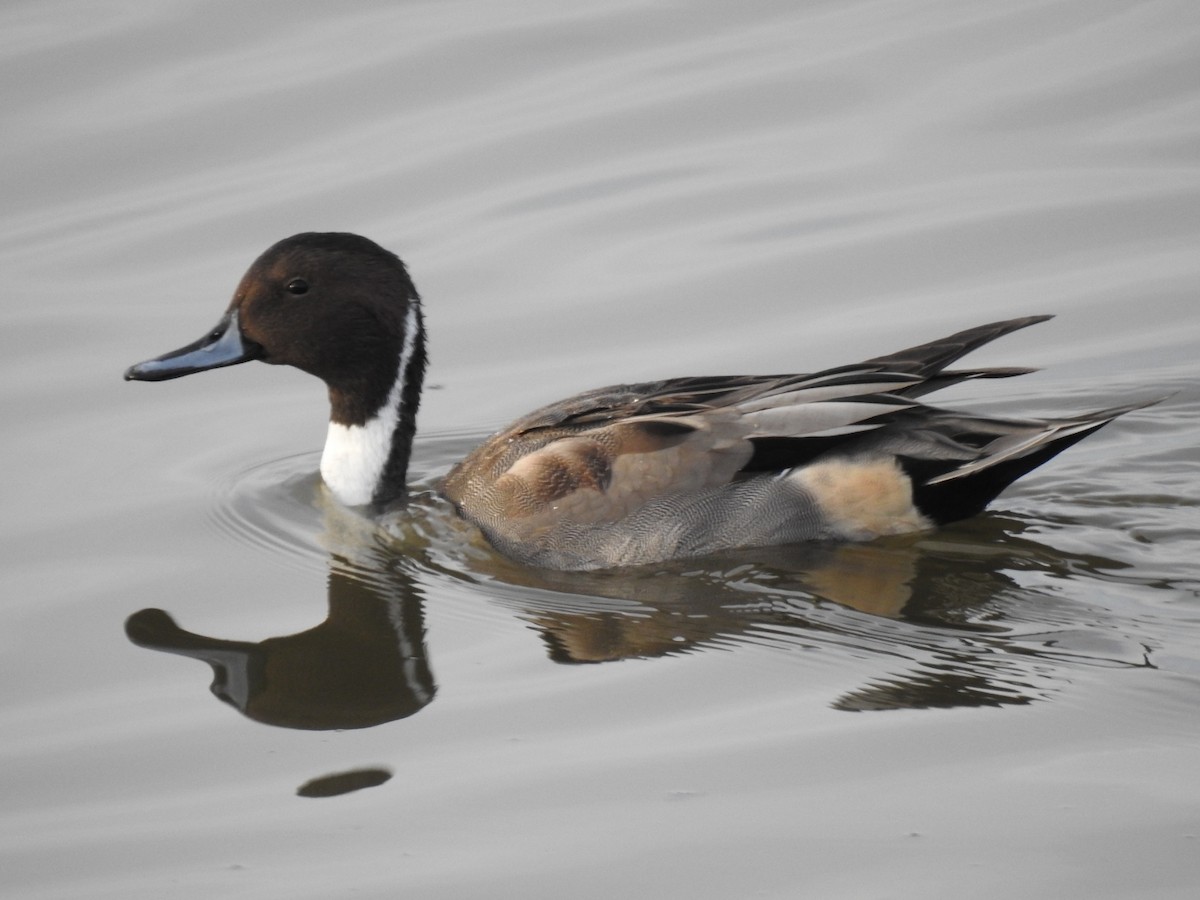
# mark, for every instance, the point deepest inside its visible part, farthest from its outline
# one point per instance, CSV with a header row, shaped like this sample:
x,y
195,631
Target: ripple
x,y
272,506
281,506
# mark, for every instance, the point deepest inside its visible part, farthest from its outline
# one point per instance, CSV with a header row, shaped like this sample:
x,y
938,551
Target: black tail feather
x,y
961,498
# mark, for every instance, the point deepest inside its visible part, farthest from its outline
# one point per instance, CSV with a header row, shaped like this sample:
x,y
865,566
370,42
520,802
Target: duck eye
x,y
297,286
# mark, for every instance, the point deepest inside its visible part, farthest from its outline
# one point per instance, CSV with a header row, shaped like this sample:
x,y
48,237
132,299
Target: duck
x,y
631,474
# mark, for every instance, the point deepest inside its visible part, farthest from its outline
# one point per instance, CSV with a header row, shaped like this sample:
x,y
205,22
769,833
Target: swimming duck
x,y
634,473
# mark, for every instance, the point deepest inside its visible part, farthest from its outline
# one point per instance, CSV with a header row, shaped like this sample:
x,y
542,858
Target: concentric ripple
x,y
273,505
282,507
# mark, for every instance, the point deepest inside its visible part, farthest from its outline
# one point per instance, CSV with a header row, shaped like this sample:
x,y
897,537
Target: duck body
x,y
640,473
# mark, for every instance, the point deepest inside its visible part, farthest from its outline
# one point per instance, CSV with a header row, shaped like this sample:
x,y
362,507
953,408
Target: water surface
x,y
217,682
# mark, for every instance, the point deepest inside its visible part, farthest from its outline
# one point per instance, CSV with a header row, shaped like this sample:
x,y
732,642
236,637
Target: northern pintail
x,y
635,473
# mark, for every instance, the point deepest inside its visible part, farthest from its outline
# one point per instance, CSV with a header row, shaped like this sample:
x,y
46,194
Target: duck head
x,y
344,309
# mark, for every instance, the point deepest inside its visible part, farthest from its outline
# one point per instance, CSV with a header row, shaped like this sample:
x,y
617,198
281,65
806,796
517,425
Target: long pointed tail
x,y
1014,449
929,359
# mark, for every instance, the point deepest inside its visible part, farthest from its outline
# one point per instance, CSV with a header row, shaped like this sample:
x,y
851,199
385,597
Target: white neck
x,y
354,458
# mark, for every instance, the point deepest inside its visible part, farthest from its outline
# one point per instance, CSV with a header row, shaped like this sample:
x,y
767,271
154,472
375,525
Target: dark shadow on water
x,y
343,783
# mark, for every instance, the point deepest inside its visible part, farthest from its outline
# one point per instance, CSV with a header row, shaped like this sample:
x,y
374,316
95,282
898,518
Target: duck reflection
x,y
935,604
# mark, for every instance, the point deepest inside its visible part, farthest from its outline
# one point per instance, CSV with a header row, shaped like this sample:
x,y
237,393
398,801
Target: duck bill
x,y
222,346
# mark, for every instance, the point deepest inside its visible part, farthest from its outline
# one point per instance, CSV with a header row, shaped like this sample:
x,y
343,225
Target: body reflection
x,y
938,604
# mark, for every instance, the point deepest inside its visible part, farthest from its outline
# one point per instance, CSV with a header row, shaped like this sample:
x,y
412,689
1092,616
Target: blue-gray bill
x,y
223,345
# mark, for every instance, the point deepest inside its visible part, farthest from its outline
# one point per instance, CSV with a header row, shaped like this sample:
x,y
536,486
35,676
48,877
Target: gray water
x,y
592,193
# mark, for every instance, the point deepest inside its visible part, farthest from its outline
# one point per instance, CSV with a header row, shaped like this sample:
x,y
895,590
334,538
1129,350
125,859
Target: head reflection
x,y
364,665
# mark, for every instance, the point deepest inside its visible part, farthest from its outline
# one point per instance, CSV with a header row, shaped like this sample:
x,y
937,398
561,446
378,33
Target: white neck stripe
x,y
411,326
355,455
